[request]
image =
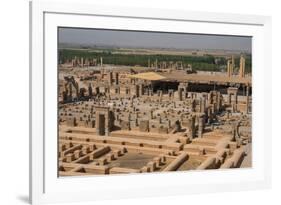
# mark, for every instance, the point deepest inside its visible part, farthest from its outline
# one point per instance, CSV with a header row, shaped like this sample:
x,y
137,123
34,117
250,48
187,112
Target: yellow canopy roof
x,y
148,76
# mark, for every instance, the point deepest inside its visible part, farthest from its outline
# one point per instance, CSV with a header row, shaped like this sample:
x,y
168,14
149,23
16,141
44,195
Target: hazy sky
x,y
153,39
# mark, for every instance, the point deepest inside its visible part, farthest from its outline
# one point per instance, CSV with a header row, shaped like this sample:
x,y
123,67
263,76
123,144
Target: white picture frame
x,y
46,187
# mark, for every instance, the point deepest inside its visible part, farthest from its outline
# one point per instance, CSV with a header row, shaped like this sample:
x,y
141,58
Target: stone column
x,y
191,126
201,125
90,90
235,102
141,90
235,98
97,90
116,78
210,96
73,63
82,62
184,94
106,124
76,89
209,113
161,95
97,124
127,91
193,105
110,77
247,99
101,61
171,94
87,62
202,105
219,101
229,98
233,91
242,67
70,91
232,64
137,91
228,68
151,114
180,93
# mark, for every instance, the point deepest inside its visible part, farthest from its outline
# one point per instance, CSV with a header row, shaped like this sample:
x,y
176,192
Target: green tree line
x,y
205,63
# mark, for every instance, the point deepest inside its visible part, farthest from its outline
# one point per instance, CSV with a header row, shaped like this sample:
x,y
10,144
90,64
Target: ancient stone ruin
x,y
162,118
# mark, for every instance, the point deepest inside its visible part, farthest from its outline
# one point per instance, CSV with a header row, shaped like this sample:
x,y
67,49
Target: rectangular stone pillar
x,y
180,94
116,78
201,125
242,67
110,78
191,126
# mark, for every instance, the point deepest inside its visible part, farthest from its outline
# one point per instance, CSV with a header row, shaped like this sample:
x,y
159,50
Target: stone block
x,y
152,166
125,125
145,169
163,130
144,126
69,157
77,154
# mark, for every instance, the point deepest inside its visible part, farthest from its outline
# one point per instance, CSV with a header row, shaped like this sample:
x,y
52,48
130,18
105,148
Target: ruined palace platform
x,y
117,121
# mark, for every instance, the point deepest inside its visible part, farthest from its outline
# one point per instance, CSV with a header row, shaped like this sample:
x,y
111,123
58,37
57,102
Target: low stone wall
x,y
235,160
174,165
209,163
